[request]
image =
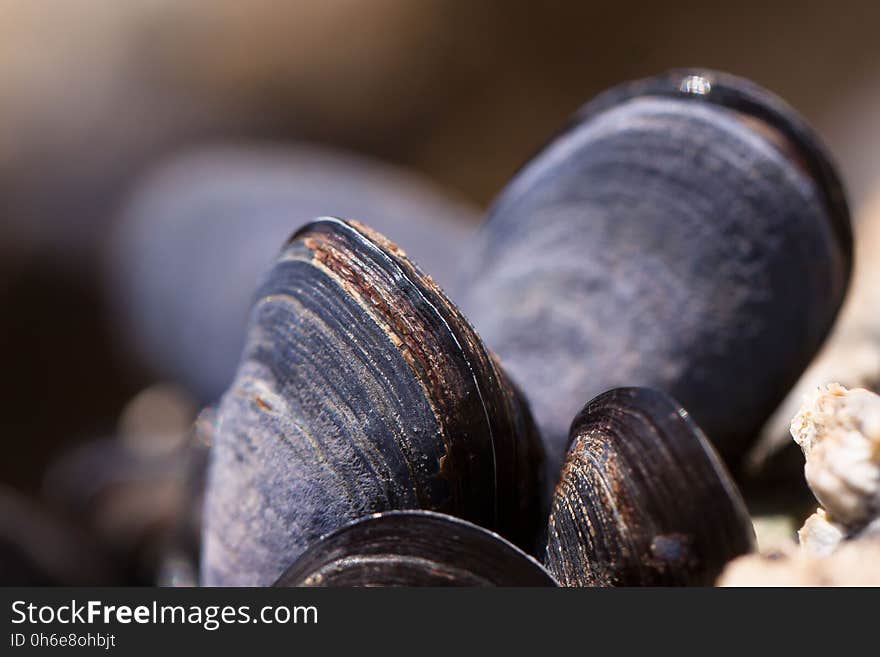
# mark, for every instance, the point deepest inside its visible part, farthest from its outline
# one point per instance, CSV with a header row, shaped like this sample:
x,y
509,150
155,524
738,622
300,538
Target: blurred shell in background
x,y
460,91
202,231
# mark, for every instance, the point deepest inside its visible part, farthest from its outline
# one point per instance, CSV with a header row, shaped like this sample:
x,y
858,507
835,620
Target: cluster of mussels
x,y
686,234
668,265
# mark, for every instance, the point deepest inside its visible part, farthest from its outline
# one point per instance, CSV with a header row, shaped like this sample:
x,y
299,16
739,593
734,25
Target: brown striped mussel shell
x,y
643,499
361,389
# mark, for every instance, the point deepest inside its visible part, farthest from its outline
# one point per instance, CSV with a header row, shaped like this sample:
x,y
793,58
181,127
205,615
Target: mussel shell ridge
x,y
643,499
361,389
765,112
414,548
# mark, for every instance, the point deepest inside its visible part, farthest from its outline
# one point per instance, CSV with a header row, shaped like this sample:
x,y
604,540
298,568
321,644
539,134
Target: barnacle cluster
x,y
838,430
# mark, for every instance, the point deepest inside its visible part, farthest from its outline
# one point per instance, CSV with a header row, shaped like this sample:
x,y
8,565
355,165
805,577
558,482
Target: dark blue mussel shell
x,y
361,389
686,233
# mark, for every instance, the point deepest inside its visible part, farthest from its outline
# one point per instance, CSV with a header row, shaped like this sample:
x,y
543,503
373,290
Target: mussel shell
x,y
768,113
643,499
697,243
361,389
414,548
182,302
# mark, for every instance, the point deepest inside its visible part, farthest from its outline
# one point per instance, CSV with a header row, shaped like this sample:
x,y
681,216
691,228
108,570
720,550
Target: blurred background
x,y
100,98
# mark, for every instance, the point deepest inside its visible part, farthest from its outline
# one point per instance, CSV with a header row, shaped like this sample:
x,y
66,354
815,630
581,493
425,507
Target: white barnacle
x,y
839,432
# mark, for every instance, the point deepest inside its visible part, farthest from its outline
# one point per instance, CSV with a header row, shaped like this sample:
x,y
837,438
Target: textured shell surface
x,y
643,499
414,548
671,239
361,389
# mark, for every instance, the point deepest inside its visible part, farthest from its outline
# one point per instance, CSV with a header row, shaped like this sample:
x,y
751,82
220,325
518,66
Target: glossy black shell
x,y
643,499
361,389
686,233
414,548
